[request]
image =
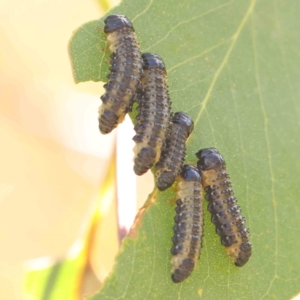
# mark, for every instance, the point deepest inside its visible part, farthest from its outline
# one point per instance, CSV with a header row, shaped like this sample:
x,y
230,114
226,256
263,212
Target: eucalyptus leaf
x,y
234,67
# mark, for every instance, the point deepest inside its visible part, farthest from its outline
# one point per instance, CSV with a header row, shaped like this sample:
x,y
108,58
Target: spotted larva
x,y
188,230
153,114
225,214
126,72
173,153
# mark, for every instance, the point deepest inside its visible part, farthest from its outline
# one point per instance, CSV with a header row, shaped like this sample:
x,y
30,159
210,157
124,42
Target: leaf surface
x,y
234,67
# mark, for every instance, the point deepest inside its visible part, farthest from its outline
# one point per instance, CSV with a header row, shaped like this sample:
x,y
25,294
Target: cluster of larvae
x,y
134,77
210,175
161,142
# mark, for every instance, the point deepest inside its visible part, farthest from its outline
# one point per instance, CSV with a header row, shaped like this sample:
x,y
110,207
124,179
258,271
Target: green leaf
x,y
234,66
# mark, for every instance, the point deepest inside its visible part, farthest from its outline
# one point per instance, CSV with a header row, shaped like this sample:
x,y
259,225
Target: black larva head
x,y
190,173
183,119
152,61
209,158
114,22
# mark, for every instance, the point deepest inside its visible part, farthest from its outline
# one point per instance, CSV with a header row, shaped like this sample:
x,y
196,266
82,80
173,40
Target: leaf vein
x,y
269,156
197,56
226,58
187,21
144,11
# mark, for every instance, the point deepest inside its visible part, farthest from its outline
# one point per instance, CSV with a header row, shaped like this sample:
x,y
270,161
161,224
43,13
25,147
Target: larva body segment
x,y
173,154
126,72
153,114
188,229
225,214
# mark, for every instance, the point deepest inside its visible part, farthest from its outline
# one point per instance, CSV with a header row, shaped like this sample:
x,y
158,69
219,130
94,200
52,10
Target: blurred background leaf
x,y
53,158
234,67
67,278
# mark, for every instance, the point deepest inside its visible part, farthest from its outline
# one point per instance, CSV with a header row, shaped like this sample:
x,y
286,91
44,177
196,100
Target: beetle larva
x,y
188,230
173,154
230,225
126,72
153,114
